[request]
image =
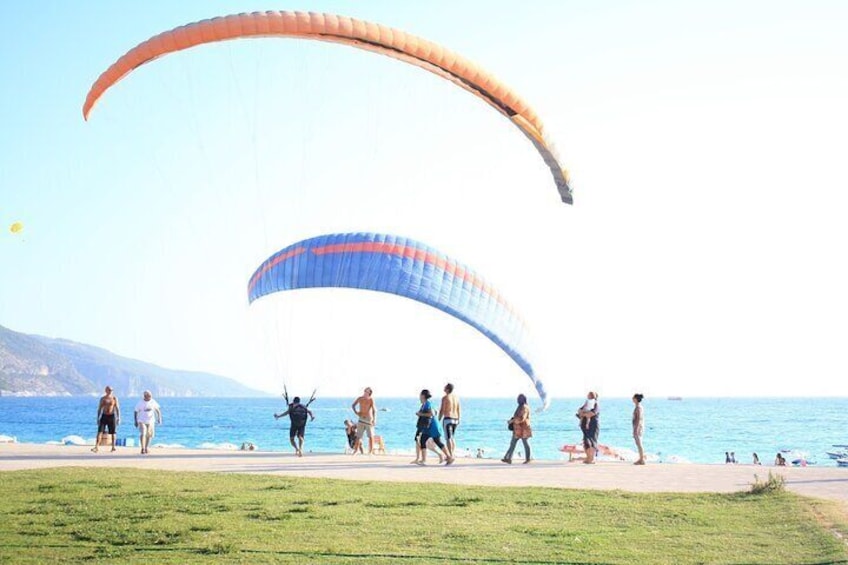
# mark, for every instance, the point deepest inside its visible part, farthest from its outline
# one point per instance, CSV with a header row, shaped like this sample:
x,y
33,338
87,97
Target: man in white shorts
x,y
147,411
366,413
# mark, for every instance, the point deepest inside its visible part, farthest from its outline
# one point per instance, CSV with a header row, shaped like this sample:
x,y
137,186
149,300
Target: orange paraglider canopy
x,y
348,31
17,227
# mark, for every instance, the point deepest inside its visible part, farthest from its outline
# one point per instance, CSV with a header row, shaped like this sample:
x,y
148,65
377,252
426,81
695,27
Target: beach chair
x,y
572,449
379,445
576,450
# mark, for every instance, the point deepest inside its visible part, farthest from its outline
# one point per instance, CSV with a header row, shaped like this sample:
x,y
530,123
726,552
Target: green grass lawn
x,y
127,515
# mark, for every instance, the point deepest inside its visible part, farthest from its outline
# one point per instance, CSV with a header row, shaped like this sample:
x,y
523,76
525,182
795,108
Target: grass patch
x,y
774,483
131,515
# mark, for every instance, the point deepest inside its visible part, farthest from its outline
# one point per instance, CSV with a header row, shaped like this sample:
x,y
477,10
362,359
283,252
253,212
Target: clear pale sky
x,y
704,254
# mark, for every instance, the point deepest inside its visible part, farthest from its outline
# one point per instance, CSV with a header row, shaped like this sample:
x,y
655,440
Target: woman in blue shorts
x,y
428,428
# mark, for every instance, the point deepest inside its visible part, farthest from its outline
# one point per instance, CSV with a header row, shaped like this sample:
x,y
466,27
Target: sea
x,y
678,430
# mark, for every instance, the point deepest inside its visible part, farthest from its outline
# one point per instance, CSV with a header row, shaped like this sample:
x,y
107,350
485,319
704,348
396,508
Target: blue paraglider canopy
x,y
404,267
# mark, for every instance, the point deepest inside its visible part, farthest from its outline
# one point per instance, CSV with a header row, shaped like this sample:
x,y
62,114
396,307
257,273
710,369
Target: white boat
x,y
841,454
801,462
842,462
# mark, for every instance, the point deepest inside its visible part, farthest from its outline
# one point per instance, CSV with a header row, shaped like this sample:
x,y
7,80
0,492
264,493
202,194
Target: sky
x,y
704,254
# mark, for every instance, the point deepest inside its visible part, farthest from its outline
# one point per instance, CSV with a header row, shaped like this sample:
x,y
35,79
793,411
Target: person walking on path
x,y
147,415
427,427
638,426
297,414
366,412
521,430
590,426
449,414
108,418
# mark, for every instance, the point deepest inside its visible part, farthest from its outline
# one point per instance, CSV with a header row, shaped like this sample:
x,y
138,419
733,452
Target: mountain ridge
x,y
33,365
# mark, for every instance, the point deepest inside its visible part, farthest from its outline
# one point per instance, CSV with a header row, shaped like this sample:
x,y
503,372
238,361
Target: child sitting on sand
x,y
350,431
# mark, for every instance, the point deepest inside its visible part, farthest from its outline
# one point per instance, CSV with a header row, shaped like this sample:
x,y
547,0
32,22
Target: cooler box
x,y
119,441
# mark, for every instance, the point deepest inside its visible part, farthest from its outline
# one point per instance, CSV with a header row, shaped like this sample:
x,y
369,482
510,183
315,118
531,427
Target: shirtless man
x,y
108,418
366,411
449,414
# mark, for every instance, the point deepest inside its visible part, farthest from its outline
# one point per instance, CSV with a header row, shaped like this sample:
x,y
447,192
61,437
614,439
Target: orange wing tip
x,y
356,33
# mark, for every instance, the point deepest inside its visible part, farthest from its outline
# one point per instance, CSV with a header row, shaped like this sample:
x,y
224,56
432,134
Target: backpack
x,y
297,413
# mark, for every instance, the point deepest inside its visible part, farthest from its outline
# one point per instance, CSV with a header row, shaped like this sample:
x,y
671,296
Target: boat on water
x,y
675,398
842,462
841,454
802,462
798,457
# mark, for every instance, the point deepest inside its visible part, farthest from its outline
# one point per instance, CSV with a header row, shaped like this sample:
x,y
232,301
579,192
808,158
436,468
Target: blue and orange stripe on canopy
x,y
404,267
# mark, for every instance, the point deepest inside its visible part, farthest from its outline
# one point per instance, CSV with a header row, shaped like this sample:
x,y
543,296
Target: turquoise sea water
x,y
697,430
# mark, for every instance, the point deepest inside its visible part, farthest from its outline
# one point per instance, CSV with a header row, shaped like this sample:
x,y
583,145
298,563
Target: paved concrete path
x,y
819,482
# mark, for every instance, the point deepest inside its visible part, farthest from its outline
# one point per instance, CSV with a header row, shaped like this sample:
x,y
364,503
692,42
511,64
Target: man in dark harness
x,y
297,413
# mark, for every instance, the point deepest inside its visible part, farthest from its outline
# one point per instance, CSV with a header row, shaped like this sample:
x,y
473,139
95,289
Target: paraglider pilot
x,y
297,414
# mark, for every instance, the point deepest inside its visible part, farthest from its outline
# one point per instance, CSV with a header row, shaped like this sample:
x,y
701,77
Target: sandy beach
x,y
818,482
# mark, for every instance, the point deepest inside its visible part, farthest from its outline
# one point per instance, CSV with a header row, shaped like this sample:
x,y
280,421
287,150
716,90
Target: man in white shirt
x,y
146,412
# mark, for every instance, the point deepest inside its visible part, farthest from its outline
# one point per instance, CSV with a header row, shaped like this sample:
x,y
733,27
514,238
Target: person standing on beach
x,y
590,426
366,412
638,426
108,418
449,414
521,430
146,412
297,414
587,406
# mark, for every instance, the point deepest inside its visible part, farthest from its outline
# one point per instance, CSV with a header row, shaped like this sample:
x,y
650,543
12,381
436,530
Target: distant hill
x,y
32,365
